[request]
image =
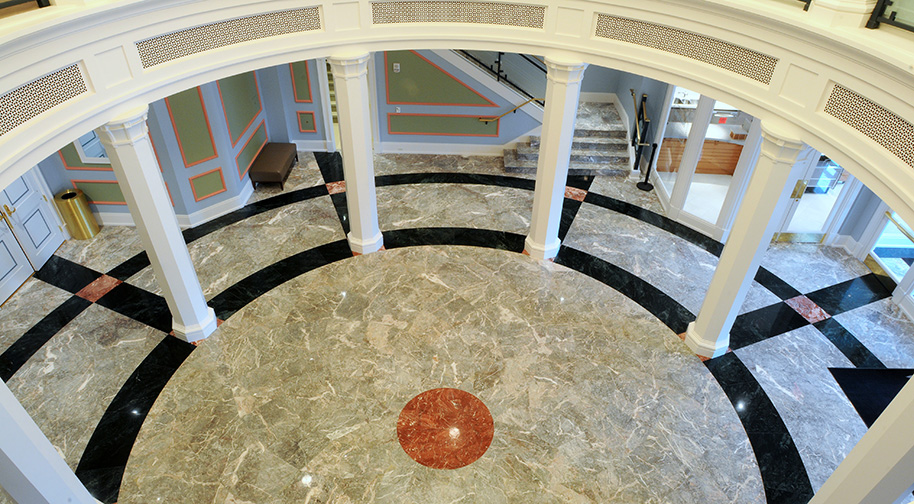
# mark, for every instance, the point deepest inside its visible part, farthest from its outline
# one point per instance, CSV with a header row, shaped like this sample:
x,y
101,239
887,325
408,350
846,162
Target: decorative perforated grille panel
x,y
746,62
508,14
158,50
876,122
26,102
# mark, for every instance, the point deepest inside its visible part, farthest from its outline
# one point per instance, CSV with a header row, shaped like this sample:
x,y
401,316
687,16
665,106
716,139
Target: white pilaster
x,y
350,78
563,88
126,139
709,334
878,469
841,13
31,470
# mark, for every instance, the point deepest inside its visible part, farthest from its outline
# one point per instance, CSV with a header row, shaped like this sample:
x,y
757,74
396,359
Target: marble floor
x,y
592,394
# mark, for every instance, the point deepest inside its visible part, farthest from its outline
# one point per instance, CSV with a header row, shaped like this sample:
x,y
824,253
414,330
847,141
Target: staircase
x,y
599,146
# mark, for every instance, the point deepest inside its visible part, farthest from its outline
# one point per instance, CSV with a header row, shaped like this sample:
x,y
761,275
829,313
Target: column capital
x,y
781,141
564,71
126,128
854,13
349,66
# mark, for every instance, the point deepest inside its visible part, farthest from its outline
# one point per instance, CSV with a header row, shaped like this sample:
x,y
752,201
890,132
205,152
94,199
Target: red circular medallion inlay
x,y
445,428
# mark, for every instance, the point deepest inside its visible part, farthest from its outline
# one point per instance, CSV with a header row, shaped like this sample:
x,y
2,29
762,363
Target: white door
x,y
14,266
31,217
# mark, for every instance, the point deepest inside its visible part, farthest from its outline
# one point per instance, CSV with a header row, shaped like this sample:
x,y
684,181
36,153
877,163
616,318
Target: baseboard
x,y
442,148
598,97
219,209
847,243
114,218
314,145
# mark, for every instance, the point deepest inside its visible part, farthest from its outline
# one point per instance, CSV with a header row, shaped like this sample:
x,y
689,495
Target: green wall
x,y
301,81
250,150
421,82
101,191
208,184
191,126
241,101
440,125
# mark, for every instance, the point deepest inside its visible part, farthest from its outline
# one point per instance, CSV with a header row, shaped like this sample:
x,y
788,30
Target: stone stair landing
x,y
599,146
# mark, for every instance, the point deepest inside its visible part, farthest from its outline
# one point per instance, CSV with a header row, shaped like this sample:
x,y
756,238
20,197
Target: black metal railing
x,y
527,73
886,12
806,4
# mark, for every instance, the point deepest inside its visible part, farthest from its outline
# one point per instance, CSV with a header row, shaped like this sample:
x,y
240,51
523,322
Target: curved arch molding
x,y
847,91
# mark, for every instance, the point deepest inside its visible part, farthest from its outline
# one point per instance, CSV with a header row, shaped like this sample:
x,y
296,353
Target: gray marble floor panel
x,y
394,164
594,400
305,174
884,329
810,267
793,370
32,302
110,247
623,188
69,383
232,253
455,205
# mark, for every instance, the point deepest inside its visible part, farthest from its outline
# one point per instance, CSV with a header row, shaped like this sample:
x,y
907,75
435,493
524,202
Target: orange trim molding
x,y
200,198
298,115
307,78
208,127
225,113
390,132
387,87
80,168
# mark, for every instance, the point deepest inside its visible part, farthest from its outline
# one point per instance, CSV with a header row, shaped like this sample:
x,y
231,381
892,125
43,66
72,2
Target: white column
x,y
563,88
879,468
691,155
841,13
350,79
126,139
31,470
709,334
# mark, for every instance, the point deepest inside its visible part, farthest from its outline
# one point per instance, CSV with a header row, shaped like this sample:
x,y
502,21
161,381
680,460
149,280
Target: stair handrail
x,y
499,74
488,119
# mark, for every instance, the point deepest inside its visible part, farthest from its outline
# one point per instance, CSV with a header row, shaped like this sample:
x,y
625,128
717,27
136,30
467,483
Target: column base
x,y
538,251
703,347
373,244
199,331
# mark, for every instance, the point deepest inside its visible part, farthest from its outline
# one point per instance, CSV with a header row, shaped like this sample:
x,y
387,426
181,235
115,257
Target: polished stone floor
x,y
594,397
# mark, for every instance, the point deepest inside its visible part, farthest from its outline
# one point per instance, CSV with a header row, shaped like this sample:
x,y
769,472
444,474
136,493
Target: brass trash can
x,y
74,208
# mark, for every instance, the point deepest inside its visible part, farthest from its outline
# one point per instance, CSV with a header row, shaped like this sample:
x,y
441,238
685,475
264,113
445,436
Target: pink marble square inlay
x,y
101,286
575,193
807,309
336,187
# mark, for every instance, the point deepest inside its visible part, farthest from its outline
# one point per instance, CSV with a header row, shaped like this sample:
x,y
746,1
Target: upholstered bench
x,y
273,164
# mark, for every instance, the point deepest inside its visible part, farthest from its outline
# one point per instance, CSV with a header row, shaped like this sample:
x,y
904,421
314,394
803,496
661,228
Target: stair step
x,y
612,131
603,145
587,156
513,164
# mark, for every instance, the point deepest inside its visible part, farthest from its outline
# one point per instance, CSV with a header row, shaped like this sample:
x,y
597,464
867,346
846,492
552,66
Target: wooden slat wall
x,y
717,157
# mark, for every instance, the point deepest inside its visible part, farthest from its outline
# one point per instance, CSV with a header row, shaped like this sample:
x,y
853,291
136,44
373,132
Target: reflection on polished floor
x,y
594,397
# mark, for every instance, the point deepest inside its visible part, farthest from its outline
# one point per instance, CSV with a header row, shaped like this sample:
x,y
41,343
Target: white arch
x,y
811,59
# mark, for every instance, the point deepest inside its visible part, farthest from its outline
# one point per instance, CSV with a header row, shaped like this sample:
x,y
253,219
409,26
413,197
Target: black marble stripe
x,y
455,178
25,347
569,212
67,275
783,473
654,219
580,181
102,465
331,166
764,323
662,306
136,263
339,203
236,297
773,283
487,238
855,351
851,294
140,305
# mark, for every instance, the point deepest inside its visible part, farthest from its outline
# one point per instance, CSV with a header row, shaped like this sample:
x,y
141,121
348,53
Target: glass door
x,y
894,249
813,203
675,137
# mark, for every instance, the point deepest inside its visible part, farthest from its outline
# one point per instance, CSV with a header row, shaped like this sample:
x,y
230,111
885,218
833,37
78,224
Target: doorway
x,y
30,231
815,201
